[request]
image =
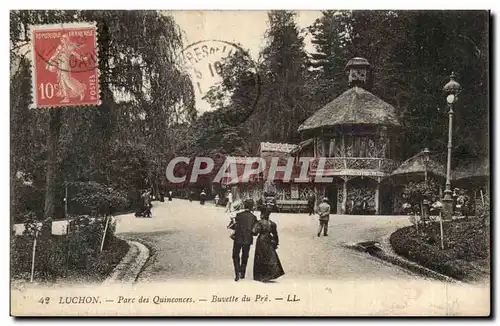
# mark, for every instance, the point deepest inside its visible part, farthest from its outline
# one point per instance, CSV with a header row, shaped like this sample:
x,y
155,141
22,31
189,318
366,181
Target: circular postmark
x,y
205,59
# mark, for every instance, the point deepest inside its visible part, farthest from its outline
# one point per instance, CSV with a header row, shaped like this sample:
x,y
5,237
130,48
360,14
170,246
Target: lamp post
x,y
426,161
452,88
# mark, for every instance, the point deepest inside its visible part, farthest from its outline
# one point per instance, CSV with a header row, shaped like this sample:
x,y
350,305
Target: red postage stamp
x,y
64,65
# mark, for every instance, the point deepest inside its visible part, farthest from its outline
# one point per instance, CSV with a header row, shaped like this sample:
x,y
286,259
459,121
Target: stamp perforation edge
x,y
47,27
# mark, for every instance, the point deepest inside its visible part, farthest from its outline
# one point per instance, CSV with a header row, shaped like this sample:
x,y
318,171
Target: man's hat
x,y
248,204
325,199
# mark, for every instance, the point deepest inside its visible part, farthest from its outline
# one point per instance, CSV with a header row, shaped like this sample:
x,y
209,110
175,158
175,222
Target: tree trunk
x,y
50,177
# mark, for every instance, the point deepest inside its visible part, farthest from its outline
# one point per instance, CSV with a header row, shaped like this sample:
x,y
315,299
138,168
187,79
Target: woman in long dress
x,y
69,87
267,265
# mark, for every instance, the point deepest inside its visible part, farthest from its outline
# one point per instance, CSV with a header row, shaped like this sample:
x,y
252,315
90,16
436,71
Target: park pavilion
x,y
358,135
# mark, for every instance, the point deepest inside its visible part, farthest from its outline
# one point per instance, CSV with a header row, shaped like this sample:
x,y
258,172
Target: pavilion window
x,y
331,151
349,146
362,147
357,146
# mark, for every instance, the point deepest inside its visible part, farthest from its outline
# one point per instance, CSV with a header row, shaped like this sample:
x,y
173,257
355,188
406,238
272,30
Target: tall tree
x,y
284,62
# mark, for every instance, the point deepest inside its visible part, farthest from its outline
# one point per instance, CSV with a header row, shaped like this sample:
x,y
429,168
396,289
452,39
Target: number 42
x,y
44,300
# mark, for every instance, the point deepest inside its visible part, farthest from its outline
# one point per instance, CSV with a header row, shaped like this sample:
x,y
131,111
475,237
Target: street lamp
x,y
426,161
452,88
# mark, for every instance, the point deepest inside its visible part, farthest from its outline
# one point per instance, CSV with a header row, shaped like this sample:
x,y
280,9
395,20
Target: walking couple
x,y
267,265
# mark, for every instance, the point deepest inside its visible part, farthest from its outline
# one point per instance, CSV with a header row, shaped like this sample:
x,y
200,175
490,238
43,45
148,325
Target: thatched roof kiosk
x,y
415,168
472,174
356,106
355,140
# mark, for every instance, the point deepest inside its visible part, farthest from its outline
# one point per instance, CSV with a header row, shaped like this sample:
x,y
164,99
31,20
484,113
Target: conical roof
x,y
476,169
416,165
354,106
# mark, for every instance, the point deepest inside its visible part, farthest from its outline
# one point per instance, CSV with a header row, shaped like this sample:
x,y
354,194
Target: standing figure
x,y
203,197
242,238
170,195
267,265
229,204
324,217
311,200
190,195
147,204
59,62
461,203
216,199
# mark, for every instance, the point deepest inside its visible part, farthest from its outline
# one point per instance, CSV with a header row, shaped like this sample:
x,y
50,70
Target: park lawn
x,y
466,256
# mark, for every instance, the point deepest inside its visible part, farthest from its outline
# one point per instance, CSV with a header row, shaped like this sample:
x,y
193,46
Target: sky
x,y
210,27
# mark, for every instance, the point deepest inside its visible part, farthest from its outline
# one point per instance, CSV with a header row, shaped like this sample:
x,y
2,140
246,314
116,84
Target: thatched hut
x,y
356,134
416,168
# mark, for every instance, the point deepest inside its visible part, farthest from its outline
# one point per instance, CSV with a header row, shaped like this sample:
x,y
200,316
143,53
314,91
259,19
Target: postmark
x,y
204,61
64,65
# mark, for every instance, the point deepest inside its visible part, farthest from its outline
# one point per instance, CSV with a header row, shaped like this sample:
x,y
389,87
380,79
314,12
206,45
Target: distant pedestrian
x,y
407,208
216,199
324,217
170,195
203,197
190,196
311,200
229,203
147,204
461,203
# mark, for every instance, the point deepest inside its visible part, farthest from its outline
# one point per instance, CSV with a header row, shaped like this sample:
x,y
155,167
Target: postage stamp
x,y
64,65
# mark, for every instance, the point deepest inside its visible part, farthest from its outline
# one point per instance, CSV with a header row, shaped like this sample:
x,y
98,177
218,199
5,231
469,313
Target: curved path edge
x,y
131,265
388,254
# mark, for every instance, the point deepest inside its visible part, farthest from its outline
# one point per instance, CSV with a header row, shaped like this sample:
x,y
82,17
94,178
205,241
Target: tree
x,y
284,62
137,67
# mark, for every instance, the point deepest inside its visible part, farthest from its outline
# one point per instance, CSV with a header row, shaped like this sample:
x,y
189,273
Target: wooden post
x,y
416,221
377,198
482,197
441,231
344,197
104,234
66,201
33,257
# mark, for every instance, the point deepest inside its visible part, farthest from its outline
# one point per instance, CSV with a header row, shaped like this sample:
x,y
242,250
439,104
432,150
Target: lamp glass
x,y
450,98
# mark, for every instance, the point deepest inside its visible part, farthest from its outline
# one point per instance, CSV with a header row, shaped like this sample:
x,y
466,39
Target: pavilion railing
x,y
355,163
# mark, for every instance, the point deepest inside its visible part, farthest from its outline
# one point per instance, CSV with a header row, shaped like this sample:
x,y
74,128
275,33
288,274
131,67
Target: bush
x,y
78,252
27,198
93,198
465,242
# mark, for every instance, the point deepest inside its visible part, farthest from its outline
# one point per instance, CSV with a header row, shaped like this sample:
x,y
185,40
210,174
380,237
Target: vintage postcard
x,y
250,163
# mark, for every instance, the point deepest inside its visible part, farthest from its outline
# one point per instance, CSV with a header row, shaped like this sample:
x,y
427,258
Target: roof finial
x,y
359,69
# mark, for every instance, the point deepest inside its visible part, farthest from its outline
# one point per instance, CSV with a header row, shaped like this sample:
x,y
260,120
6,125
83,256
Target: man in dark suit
x,y
243,238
